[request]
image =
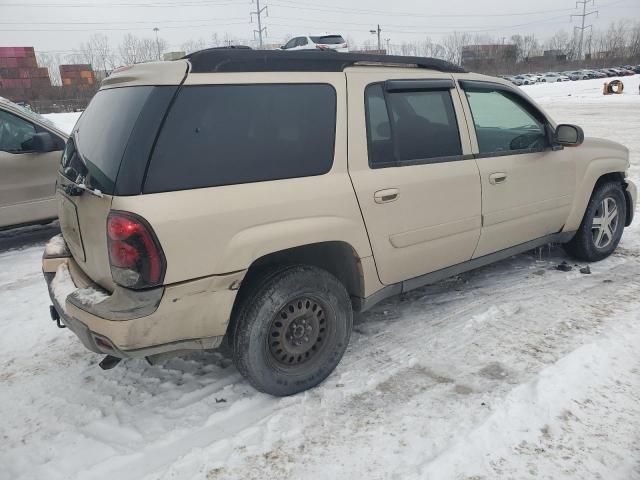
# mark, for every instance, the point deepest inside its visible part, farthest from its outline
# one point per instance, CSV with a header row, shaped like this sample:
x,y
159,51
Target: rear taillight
x,y
135,255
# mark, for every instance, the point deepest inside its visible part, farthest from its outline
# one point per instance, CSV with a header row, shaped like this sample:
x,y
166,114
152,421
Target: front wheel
x,y
602,225
292,329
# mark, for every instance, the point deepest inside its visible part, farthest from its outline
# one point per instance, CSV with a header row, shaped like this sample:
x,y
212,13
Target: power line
x,y
584,15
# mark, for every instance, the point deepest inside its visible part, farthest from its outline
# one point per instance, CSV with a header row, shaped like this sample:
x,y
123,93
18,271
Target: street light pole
x,y
156,29
377,31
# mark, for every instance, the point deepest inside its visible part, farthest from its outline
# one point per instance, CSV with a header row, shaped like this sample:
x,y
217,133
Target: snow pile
x,y
64,121
62,285
56,246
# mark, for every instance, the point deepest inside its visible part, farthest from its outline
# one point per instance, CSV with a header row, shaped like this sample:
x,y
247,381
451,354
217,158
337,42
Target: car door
x,y
417,185
27,179
527,184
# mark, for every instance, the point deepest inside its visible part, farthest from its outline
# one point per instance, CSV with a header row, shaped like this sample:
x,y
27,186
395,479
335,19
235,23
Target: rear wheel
x,y
602,225
292,329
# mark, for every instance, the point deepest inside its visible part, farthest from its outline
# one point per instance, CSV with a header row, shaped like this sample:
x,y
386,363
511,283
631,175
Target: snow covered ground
x,y
513,371
64,121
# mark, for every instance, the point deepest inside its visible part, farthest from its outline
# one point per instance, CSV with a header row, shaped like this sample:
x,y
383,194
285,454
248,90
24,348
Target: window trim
x,y
490,86
411,85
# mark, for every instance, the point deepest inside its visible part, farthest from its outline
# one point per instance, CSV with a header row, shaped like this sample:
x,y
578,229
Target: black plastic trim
x,y
418,85
364,304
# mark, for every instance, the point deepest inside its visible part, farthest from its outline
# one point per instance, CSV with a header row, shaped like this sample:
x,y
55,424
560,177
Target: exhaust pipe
x,y
109,362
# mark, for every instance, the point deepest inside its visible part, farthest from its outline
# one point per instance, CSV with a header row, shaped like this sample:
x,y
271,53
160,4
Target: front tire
x,y
602,224
292,329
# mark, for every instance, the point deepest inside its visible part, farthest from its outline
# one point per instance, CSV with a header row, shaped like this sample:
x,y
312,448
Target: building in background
x,y
77,77
21,80
491,54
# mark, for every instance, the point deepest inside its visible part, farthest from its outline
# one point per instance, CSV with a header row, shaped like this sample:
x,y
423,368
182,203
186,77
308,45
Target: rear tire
x,y
292,329
602,224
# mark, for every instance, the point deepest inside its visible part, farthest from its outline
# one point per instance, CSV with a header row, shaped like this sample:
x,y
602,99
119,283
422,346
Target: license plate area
x,y
70,227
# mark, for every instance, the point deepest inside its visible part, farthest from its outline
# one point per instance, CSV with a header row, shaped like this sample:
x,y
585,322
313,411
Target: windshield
x,y
100,137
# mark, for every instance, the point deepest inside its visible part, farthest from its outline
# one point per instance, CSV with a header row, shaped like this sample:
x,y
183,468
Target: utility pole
x,y
258,14
388,41
582,28
378,31
156,29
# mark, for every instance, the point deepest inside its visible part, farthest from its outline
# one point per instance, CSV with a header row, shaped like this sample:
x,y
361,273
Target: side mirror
x,y
569,135
41,142
282,47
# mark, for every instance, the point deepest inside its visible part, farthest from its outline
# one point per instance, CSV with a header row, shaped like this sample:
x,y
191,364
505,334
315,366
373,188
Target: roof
x,y
244,60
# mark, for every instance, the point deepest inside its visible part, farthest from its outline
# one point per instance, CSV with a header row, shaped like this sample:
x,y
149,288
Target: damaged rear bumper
x,y
132,324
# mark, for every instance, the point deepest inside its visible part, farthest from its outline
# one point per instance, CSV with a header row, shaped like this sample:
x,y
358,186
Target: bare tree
x,y
133,49
52,63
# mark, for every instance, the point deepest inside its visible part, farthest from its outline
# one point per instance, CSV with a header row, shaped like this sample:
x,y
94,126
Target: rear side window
x,y
230,134
328,39
412,126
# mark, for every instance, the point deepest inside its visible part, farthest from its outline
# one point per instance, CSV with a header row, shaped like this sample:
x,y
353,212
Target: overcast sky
x,y
61,25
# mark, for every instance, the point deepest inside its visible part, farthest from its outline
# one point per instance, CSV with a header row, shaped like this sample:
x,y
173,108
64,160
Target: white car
x,y
525,79
324,41
555,77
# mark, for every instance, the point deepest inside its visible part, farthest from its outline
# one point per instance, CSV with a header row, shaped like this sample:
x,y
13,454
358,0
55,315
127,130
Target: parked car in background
x,y
577,75
596,74
447,171
555,77
323,41
524,79
30,151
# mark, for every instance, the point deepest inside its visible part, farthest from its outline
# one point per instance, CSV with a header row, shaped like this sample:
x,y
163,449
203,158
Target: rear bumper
x,y
131,324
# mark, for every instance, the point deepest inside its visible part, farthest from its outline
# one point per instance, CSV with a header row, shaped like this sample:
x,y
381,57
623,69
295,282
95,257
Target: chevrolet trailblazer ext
x,y
262,197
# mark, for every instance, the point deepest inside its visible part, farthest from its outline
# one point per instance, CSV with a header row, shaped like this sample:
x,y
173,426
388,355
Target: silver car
x,y
30,151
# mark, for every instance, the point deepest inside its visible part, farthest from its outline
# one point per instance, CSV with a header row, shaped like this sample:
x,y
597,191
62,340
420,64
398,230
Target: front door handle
x,y
386,196
497,178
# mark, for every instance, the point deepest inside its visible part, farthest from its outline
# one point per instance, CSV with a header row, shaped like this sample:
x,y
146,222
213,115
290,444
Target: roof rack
x,y
245,60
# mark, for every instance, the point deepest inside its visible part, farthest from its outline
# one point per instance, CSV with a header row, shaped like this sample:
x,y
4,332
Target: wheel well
x,y
617,177
338,258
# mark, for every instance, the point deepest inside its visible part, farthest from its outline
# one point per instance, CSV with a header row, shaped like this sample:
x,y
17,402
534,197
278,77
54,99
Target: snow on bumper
x,y
130,323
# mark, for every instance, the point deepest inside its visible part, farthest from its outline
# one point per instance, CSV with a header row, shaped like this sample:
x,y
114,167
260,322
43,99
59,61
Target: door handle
x,y
497,178
386,196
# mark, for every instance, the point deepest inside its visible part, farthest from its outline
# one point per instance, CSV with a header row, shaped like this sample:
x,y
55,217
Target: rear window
x,y
110,146
101,135
328,39
231,134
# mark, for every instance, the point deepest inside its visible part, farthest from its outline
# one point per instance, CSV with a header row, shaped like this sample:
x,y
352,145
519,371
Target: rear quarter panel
x,y
218,230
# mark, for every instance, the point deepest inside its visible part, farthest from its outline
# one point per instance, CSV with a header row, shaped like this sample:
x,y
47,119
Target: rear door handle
x,y
386,196
497,178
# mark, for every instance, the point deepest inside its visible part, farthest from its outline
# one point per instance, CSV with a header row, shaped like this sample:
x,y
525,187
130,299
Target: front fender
x,y
586,183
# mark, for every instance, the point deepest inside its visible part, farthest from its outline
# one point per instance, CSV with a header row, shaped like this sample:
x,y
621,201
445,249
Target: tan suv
x,y
30,150
262,197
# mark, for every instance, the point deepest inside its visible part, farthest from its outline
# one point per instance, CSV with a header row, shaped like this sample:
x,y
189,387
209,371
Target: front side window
x,y
504,123
15,133
232,134
302,41
410,126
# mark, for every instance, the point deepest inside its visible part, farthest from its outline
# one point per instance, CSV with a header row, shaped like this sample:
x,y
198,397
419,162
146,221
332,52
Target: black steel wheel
x,y
291,328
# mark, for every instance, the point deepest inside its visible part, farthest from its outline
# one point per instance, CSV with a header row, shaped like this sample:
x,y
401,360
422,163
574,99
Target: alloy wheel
x,y
605,223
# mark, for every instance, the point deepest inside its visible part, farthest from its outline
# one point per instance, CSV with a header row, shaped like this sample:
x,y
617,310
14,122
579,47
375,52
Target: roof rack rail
x,y
245,60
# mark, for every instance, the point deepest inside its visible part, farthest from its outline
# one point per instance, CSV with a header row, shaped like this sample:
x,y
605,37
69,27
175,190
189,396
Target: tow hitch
x,y
55,316
109,362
